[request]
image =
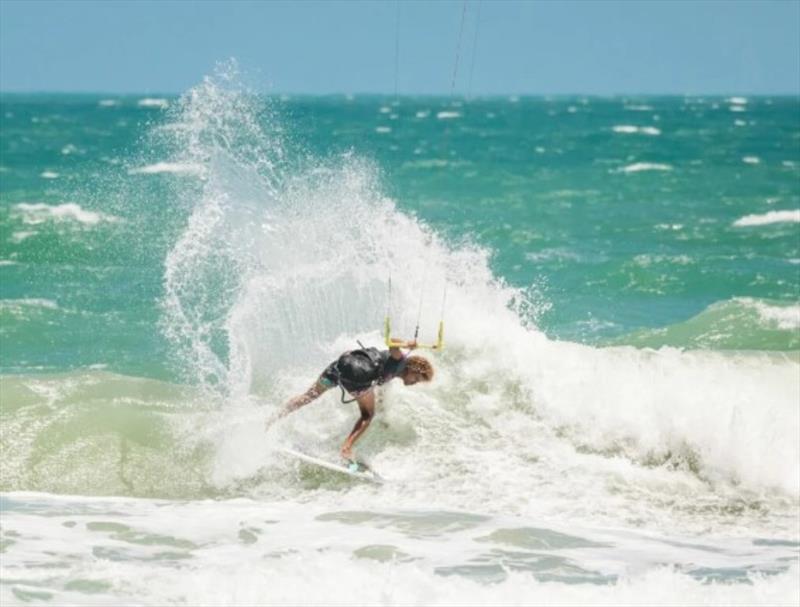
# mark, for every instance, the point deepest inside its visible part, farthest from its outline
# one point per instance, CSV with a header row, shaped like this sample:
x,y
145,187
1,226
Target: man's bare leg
x,y
301,400
306,397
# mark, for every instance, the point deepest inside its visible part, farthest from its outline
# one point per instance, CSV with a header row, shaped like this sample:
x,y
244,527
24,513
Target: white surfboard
x,y
356,469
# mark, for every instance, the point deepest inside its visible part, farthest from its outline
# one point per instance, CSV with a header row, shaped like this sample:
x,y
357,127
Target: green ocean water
x,y
616,216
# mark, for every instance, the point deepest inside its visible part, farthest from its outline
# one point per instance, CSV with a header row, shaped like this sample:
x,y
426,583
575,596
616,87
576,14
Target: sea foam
x,y
249,552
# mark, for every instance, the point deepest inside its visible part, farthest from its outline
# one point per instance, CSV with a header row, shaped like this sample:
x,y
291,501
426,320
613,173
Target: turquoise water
x,y
604,254
614,417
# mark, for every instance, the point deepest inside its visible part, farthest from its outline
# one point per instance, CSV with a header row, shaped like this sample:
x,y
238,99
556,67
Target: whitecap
x,y
423,114
737,100
737,108
638,167
639,108
445,115
383,129
786,216
34,213
31,302
669,226
18,237
108,103
169,167
630,129
385,109
738,122
553,254
153,102
49,175
428,163
751,160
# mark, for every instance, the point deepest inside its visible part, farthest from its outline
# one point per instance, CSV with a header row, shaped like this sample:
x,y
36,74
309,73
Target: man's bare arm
x,y
394,349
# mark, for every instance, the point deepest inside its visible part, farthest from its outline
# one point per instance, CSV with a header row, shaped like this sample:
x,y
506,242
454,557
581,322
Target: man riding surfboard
x,y
358,372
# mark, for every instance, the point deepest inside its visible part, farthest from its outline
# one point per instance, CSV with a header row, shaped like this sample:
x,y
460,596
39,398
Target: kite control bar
x,y
393,343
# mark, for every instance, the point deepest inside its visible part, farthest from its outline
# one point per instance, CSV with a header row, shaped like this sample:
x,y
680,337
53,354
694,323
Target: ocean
x,y
614,418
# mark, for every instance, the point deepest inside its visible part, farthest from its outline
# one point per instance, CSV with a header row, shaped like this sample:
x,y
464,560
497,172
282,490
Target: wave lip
x,y
34,213
784,317
741,323
784,216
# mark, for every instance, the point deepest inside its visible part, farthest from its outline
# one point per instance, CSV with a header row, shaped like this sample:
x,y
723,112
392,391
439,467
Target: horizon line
x,y
420,94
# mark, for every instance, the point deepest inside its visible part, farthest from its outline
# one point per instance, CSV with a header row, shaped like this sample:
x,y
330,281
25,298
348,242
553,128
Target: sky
x,y
527,47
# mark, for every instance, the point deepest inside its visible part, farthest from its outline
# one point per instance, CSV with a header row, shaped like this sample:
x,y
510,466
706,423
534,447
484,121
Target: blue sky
x,y
535,47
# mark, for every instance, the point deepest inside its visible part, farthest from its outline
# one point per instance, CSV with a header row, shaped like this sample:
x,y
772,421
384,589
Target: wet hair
x,y
420,365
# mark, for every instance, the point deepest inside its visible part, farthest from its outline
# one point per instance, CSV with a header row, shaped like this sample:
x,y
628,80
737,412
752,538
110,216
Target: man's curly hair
x,y
420,365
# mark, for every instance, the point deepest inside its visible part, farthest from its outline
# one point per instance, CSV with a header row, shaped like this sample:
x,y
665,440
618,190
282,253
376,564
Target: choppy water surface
x,y
614,419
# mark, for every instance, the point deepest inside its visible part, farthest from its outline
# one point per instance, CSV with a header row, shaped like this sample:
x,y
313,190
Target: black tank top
x,y
392,367
359,369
